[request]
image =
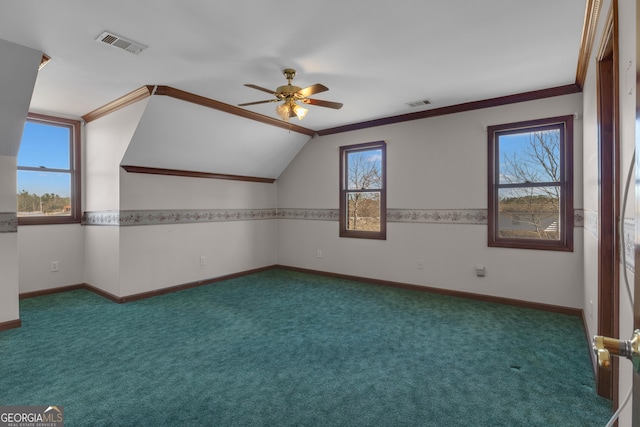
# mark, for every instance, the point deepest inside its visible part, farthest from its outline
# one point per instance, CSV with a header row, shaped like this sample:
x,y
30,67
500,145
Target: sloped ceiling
x,y
18,70
174,134
374,57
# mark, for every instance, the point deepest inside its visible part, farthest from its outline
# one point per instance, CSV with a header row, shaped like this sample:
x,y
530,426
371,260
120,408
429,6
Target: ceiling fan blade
x,y
260,88
310,90
257,102
321,103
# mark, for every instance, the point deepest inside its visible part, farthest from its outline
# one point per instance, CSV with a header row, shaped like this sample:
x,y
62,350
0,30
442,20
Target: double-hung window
x,y
363,193
531,184
49,171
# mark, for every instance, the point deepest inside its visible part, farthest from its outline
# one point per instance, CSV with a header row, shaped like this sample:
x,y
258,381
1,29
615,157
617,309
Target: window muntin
x,y
48,176
363,190
531,185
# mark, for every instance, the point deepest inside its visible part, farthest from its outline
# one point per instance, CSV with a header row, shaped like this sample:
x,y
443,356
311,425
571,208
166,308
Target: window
x,y
49,171
531,184
363,193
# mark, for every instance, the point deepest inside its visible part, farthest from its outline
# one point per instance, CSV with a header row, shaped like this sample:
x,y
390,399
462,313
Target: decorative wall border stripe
x,y
166,217
438,216
410,216
591,222
8,222
101,218
578,218
629,230
417,216
312,214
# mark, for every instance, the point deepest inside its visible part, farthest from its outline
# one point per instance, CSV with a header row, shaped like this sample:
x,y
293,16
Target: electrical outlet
x,y
420,264
319,253
55,266
203,260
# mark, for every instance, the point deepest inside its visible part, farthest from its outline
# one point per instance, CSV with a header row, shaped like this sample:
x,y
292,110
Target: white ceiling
x,y
374,57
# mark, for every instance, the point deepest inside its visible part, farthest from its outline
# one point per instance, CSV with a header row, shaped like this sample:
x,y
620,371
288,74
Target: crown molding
x,y
148,90
592,11
115,105
195,174
458,108
231,109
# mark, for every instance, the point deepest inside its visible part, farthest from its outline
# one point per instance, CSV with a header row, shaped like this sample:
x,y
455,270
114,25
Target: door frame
x,y
607,72
635,417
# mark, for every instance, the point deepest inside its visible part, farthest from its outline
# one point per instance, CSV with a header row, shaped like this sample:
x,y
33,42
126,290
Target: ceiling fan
x,y
290,95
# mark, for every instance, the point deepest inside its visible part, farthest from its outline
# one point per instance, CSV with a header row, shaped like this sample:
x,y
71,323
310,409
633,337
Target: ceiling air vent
x,y
121,42
419,103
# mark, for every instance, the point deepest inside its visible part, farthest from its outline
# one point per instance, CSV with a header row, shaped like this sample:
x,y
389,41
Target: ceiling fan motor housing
x,y
291,94
288,91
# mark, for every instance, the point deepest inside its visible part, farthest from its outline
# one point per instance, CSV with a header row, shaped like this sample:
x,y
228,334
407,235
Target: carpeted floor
x,y
282,348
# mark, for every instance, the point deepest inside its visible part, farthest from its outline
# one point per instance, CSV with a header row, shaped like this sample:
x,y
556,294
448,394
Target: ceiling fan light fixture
x,y
284,111
299,111
289,94
289,109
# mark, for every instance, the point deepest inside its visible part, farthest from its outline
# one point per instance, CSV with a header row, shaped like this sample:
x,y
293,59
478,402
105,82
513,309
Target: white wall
x,y
18,71
8,243
106,141
158,256
435,163
125,258
39,245
167,254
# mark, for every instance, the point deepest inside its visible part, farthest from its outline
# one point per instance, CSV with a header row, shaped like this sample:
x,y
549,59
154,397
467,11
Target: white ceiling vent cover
x,y
121,42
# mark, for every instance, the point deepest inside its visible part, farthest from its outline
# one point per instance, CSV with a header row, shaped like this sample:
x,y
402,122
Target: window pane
x,y
364,170
530,157
44,193
363,211
45,145
529,213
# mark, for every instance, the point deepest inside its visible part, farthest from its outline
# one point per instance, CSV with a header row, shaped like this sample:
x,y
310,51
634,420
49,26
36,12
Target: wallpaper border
x,y
165,217
8,222
186,216
438,216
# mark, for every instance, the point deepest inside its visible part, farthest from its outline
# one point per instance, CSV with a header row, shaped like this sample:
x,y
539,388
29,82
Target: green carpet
x,y
282,348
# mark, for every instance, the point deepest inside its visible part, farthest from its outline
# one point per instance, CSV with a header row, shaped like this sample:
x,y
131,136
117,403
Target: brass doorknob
x,y
604,347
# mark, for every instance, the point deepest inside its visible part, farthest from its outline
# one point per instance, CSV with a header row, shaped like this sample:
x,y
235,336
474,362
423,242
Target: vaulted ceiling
x,y
374,57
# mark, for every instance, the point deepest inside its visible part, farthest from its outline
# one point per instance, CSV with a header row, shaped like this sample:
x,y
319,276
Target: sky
x,y
517,144
359,161
47,146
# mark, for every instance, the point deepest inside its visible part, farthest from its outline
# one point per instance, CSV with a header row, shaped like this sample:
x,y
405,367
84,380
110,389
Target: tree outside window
x,y
530,184
363,190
